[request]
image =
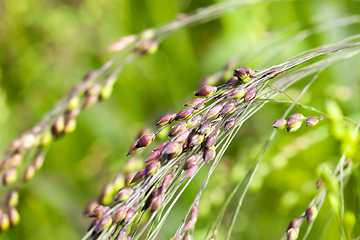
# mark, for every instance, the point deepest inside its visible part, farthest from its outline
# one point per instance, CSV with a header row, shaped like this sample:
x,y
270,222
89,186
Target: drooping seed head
x,y
129,214
231,80
138,176
184,114
151,168
279,124
214,112
194,102
29,173
194,122
211,140
12,199
90,206
195,139
191,171
206,91
145,140
191,161
119,214
243,73
176,129
133,147
237,93
155,155
292,234
122,43
38,161
4,222
209,154
9,176
229,124
311,213
123,194
298,116
311,121
99,211
58,126
250,94
104,223
228,108
166,119
14,217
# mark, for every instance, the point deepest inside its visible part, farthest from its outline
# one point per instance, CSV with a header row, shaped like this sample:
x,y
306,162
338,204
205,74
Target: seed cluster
x,y
295,121
25,155
194,134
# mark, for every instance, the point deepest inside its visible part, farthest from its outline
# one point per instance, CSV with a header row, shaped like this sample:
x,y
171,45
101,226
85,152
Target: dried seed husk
x,y
182,136
228,108
90,206
191,161
133,148
191,171
229,124
204,128
237,93
211,140
58,126
195,139
129,214
14,217
311,213
29,173
194,122
9,176
12,199
231,80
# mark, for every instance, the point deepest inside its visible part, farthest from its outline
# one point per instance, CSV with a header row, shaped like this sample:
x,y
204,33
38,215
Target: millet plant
x,y
188,144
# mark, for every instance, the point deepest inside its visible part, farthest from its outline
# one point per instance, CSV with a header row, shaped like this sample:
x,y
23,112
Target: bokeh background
x,y
46,47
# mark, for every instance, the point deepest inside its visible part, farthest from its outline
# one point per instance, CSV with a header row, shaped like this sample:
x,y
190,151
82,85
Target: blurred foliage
x,y
47,46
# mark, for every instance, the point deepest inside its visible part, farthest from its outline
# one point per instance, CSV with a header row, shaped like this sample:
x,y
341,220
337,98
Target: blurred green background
x,y
46,46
